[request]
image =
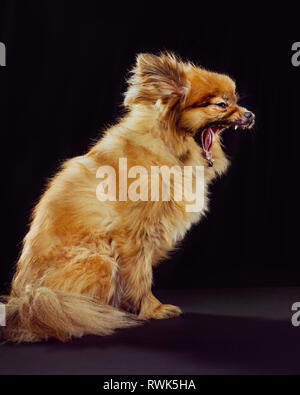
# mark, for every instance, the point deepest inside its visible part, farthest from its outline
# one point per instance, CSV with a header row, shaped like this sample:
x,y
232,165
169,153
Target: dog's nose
x,y
249,115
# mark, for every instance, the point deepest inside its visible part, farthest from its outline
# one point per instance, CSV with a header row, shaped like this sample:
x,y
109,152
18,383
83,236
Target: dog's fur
x,y
85,264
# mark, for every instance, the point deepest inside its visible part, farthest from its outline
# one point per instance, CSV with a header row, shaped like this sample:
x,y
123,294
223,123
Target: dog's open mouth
x,y
207,135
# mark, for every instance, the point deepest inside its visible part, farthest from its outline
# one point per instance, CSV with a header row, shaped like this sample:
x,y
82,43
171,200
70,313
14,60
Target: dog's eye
x,y
221,104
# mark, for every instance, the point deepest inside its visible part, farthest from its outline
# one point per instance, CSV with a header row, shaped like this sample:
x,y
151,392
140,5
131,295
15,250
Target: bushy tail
x,y
41,313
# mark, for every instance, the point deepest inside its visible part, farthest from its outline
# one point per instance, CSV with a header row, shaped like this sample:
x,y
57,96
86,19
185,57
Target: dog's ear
x,y
157,78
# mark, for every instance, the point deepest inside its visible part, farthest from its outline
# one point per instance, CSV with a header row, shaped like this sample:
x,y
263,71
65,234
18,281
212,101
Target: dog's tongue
x,y
207,139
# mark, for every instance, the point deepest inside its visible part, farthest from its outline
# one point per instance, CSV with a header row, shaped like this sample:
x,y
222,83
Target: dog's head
x,y
186,97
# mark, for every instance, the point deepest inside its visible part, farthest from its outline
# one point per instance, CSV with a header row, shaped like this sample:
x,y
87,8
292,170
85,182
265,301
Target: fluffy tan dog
x,y
86,263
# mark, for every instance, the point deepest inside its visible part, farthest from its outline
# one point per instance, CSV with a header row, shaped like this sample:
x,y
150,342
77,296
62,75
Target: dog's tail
x,y
42,313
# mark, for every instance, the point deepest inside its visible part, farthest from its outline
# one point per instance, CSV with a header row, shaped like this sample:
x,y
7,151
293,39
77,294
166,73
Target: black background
x,y
67,63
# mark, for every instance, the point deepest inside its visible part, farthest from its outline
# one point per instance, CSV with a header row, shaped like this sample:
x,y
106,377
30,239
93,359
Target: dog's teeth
x,y
235,128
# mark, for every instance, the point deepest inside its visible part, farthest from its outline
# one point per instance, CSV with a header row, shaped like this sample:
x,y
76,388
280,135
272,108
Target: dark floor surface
x,y
225,331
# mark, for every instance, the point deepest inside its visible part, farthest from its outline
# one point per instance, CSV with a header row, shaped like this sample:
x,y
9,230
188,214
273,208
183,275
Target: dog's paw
x,y
162,311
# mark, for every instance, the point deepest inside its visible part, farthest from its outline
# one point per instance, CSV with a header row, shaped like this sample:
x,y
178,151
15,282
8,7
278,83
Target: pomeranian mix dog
x,y
86,264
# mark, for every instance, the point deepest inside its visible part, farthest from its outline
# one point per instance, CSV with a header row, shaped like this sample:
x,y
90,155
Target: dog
x,y
86,264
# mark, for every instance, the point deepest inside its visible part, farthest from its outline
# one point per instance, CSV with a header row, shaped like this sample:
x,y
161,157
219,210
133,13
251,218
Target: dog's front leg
x,y
151,307
136,275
